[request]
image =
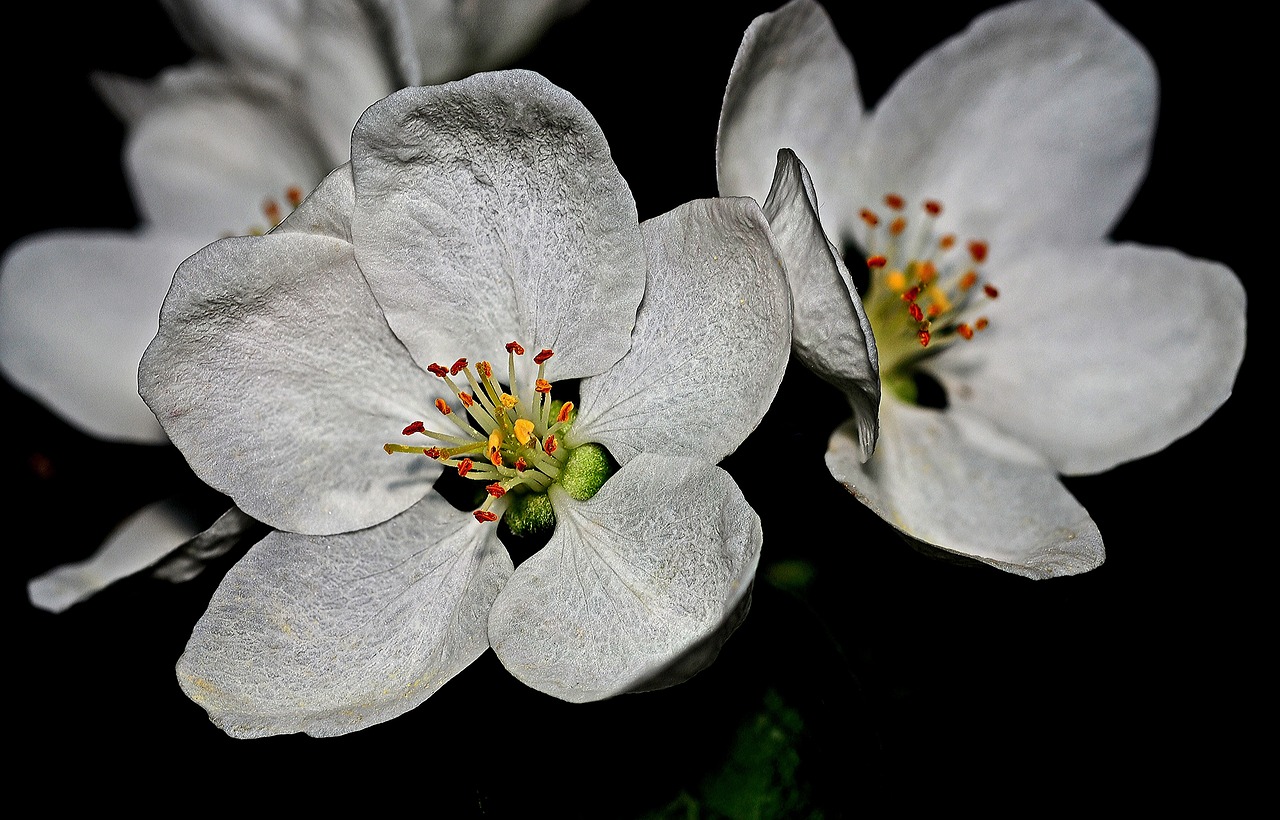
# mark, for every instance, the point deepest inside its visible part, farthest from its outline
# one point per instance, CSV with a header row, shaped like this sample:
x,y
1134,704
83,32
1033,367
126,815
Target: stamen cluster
x,y
509,439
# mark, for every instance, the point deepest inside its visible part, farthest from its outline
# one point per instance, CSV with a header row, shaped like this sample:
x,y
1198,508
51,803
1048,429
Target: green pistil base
x,y
583,474
529,513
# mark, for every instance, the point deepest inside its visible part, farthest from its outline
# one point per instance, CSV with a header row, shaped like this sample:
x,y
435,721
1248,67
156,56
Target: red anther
x,y
458,367
465,467
549,446
894,201
272,209
542,386
416,427
438,369
924,338
868,217
543,356
514,347
495,457
982,323
990,290
467,399
521,465
965,331
927,272
947,242
916,312
934,311
968,280
978,250
484,516
911,294
932,207
495,490
294,194
443,407
485,369
432,452
876,261
565,410
897,226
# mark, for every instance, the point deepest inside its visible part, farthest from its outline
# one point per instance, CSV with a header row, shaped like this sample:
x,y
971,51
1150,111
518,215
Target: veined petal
x,y
792,85
711,341
929,480
142,539
276,375
637,589
77,308
1102,354
210,147
1034,125
830,332
328,635
511,223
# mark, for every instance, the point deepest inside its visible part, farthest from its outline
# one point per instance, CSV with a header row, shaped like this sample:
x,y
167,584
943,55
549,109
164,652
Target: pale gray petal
x,y
711,340
934,483
332,634
490,210
229,531
637,588
276,375
830,332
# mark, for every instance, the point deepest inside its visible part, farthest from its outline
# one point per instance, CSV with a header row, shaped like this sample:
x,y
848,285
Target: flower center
x,y
512,441
925,289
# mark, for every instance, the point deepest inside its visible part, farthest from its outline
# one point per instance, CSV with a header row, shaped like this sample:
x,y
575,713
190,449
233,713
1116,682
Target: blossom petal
x,y
1008,512
637,588
141,539
830,332
257,35
331,634
1034,125
276,375
209,147
711,340
77,308
792,85
490,209
1100,355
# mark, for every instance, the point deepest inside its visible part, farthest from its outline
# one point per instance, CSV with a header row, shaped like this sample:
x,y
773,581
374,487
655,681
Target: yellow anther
x,y
524,430
509,401
896,281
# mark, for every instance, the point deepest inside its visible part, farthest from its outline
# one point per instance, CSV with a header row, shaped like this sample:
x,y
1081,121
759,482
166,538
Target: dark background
x,y
914,680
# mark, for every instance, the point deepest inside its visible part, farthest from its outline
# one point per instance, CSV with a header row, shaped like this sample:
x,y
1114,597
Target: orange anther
x,y
968,280
965,331
415,427
982,323
443,407
565,410
484,516
294,194
458,367
990,290
927,272
514,347
876,261
495,490
272,209
549,446
465,467
543,356
916,312
432,452
542,386
438,369
911,294
868,217
978,250
932,207
894,201
521,465
924,338
467,399
947,241
485,369
897,226
935,310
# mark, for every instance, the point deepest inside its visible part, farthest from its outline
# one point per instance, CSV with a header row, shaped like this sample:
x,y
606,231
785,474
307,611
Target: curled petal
x,y
638,587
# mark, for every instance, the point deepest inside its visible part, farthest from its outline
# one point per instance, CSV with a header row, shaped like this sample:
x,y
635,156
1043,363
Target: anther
x,y
294,194
868,217
416,427
549,446
542,386
990,290
965,331
894,201
467,399
514,347
458,367
932,207
432,452
485,370
484,516
543,356
897,226
495,489
465,466
443,407
978,250
924,338
876,261
565,410
438,369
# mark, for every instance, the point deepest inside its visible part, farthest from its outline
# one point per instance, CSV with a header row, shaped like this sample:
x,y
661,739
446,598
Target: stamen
x,y
415,427
543,356
894,201
978,250
524,429
565,410
484,516
870,218
443,406
932,207
465,467
458,367
514,347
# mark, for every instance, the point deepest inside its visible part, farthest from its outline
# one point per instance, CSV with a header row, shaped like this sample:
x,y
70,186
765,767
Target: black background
x,y
918,680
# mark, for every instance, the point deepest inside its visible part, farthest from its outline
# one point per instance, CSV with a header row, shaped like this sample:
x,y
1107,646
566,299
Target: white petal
x,y
141,539
935,485
277,377
711,340
830,332
500,31
230,530
490,210
637,588
1034,125
213,146
254,34
792,85
1101,355
77,308
328,635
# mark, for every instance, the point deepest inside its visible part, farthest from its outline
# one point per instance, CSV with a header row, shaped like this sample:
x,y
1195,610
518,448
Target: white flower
x,y
1007,153
478,218
224,145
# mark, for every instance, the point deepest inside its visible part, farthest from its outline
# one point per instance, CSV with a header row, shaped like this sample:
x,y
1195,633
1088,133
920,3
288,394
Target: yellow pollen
x,y
896,281
509,401
938,297
524,428
495,441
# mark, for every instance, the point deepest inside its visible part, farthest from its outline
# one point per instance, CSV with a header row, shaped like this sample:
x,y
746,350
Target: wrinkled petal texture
x,y
1100,355
1033,127
490,210
328,635
711,340
631,583
276,375
77,309
142,539
792,85
935,484
830,331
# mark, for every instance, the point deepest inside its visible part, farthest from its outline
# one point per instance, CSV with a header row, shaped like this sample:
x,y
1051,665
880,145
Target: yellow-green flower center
x,y
924,292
